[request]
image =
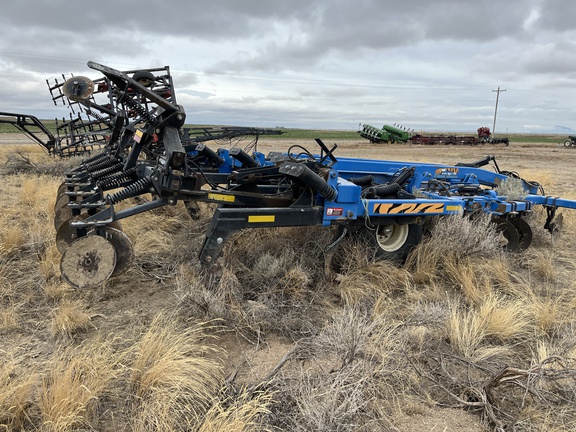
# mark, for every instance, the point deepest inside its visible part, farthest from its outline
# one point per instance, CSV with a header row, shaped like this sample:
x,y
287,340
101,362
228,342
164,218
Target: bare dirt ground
x,y
135,302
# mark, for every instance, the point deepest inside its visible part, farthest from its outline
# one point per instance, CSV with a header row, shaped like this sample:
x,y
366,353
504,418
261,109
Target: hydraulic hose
x,y
308,177
244,158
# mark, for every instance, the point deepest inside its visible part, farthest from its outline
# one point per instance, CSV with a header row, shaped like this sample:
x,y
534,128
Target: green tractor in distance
x,y
388,134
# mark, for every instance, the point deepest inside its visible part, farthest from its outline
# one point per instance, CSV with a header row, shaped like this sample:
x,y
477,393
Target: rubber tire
x,y
393,242
568,143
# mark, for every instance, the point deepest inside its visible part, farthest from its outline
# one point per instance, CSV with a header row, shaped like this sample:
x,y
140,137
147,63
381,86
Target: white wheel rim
x,y
390,238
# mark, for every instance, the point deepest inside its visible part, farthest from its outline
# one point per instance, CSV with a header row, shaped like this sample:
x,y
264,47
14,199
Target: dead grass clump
x,y
453,239
174,380
467,332
549,314
368,283
9,317
49,264
12,240
16,395
38,194
506,321
541,263
69,320
244,413
174,241
56,290
464,274
75,383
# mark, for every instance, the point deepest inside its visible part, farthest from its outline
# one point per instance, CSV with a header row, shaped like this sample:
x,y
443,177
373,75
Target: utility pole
x,y
496,108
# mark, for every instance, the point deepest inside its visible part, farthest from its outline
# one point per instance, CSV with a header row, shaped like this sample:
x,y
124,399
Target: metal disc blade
x,y
62,215
88,262
61,189
62,201
524,232
66,234
123,246
193,209
78,88
509,236
556,228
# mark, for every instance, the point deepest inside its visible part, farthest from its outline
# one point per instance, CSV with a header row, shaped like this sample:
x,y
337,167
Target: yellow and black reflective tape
x,y
261,218
221,197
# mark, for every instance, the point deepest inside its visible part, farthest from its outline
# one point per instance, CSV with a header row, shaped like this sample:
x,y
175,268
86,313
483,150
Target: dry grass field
x,y
463,337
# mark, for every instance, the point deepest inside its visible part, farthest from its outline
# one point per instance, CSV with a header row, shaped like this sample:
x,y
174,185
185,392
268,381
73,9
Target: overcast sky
x,y
328,64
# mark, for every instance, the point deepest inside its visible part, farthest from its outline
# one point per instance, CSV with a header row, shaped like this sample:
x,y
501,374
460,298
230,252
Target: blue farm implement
x,y
383,202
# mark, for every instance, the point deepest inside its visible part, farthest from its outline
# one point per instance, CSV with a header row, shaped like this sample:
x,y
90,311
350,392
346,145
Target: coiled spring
x,y
95,159
115,180
144,114
139,187
107,171
99,117
100,165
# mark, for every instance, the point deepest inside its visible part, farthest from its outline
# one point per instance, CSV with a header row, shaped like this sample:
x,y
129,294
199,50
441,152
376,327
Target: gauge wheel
x,y
394,242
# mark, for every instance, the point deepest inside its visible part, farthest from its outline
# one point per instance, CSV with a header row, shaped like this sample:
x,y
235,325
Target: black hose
x,y
308,177
245,159
362,181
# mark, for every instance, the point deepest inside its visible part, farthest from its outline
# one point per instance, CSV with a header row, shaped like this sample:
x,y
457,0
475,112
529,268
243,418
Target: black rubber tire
x,y
393,242
568,143
145,78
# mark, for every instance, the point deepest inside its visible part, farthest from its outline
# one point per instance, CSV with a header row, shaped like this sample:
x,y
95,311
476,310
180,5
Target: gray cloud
x,y
309,62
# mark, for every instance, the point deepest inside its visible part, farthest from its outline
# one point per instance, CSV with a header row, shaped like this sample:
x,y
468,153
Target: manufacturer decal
x,y
446,172
408,208
330,211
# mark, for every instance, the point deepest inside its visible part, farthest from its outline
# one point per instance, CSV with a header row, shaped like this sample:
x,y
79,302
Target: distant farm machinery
x,y
383,202
570,141
388,134
392,134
